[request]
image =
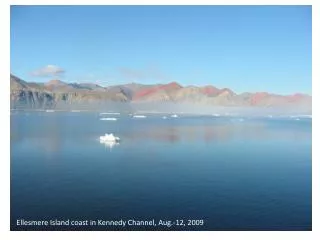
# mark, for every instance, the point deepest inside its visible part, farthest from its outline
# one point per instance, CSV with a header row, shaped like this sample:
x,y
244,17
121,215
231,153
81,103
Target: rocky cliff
x,y
55,92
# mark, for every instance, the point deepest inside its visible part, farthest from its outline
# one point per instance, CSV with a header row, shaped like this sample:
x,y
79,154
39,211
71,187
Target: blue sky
x,y
245,48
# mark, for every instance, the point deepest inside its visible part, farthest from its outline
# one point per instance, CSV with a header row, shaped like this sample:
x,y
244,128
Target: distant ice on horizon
x,y
108,119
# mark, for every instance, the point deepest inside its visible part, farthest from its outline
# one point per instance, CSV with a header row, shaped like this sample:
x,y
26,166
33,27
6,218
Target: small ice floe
x,y
174,115
296,117
49,110
164,117
241,119
216,115
139,116
75,110
108,119
109,138
109,113
270,116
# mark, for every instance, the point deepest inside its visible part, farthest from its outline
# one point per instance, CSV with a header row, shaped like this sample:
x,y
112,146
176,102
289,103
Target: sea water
x,y
231,173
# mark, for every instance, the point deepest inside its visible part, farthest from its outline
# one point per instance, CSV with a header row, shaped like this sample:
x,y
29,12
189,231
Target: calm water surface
x,y
235,174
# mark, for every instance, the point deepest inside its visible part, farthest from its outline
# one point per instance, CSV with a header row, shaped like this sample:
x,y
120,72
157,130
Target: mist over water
x,y
182,108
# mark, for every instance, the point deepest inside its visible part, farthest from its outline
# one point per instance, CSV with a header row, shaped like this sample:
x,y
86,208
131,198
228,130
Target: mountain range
x,y
55,92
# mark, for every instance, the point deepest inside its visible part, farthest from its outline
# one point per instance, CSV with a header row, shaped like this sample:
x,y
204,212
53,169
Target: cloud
x,y
48,71
149,73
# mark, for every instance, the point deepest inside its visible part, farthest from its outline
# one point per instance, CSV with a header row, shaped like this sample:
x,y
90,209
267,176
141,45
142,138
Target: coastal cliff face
x,y
56,93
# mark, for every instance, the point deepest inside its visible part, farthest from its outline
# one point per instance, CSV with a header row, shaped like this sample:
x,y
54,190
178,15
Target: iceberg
x,y
139,116
107,138
108,119
174,116
109,113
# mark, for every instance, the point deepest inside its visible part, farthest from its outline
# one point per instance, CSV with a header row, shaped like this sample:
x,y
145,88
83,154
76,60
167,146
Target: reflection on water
x,y
110,144
218,132
49,133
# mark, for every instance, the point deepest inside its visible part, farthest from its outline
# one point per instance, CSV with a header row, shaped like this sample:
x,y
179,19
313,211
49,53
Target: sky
x,y
244,48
